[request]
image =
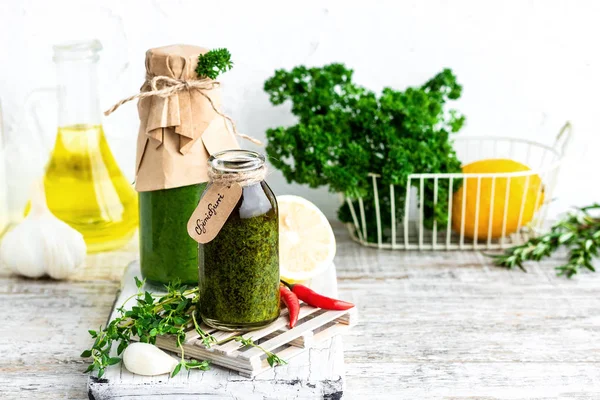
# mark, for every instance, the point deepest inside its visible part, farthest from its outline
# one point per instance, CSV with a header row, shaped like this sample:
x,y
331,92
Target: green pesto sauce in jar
x,y
239,268
167,252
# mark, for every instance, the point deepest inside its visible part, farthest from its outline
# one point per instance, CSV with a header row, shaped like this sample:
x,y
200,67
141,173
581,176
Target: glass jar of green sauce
x,y
167,252
239,268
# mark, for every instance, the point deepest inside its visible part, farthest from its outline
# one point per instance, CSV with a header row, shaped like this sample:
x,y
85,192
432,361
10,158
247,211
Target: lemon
x,y
522,192
306,240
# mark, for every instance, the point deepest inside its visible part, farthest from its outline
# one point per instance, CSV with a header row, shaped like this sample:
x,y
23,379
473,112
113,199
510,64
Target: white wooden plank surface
x,y
433,325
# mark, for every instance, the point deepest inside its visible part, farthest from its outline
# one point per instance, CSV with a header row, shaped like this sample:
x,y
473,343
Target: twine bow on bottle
x,y
243,178
169,86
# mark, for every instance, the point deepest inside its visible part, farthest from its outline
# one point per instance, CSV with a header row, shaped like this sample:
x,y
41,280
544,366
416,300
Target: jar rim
x,y
233,161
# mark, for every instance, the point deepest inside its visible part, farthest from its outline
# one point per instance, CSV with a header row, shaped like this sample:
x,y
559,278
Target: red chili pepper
x,y
291,302
315,299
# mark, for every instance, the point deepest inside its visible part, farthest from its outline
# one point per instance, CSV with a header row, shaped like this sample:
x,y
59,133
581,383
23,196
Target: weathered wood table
x,y
432,325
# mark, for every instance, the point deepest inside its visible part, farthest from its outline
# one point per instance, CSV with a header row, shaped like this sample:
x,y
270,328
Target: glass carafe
x,y
84,185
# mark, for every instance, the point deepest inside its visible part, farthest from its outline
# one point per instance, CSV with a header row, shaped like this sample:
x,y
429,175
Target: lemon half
x,y
306,240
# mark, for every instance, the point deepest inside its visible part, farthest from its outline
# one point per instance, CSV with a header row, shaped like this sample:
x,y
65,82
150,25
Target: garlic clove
x,y
147,359
42,244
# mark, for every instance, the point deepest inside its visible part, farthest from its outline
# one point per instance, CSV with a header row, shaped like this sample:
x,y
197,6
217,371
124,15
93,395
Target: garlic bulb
x,y
147,359
42,244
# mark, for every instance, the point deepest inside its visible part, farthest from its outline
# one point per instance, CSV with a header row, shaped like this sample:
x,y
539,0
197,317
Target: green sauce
x,y
167,252
239,269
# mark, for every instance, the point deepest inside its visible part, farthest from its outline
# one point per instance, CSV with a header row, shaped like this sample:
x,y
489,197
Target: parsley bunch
x,y
579,232
152,316
214,63
345,131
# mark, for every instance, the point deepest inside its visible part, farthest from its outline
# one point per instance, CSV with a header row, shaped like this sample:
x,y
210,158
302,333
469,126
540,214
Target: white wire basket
x,y
481,225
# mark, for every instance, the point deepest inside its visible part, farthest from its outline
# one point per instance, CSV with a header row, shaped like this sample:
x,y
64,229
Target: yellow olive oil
x,y
86,188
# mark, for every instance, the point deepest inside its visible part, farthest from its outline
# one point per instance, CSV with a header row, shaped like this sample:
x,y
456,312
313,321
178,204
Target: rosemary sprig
x,y
150,317
214,63
579,232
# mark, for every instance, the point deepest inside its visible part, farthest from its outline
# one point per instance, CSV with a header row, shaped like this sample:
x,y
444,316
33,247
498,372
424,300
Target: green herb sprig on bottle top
x,y
214,63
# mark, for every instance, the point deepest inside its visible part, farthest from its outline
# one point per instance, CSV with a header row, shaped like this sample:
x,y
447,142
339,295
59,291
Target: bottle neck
x,y
78,102
244,167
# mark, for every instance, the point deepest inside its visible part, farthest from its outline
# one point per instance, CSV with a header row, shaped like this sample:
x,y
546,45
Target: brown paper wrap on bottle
x,y
178,134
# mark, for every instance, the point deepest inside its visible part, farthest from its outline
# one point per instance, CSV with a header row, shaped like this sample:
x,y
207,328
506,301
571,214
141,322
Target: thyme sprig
x,y
272,359
579,232
153,316
214,63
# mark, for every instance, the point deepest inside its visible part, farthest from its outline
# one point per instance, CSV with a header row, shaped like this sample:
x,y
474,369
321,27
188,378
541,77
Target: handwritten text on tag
x,y
214,209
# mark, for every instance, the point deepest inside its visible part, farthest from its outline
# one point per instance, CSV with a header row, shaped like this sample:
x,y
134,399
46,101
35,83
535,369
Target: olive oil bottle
x,y
86,189
84,185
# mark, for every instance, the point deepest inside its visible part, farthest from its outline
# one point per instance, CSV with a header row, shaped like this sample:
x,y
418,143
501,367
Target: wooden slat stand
x,y
314,327
313,350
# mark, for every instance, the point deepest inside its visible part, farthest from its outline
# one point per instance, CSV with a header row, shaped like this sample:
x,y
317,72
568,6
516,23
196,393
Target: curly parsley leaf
x,y
213,63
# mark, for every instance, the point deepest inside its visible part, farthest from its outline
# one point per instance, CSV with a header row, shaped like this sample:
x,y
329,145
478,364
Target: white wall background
x,y
526,66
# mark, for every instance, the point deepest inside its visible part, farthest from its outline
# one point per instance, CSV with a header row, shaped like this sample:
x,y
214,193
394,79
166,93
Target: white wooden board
x,y
317,372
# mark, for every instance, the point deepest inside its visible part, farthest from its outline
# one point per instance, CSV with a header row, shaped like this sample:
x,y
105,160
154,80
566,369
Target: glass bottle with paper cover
x,y
236,224
176,137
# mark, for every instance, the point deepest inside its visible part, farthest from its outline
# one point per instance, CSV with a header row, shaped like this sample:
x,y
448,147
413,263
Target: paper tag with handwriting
x,y
214,208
